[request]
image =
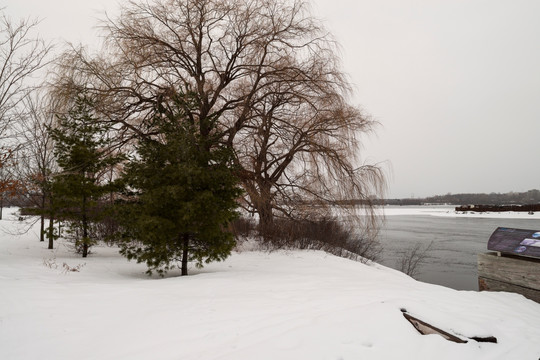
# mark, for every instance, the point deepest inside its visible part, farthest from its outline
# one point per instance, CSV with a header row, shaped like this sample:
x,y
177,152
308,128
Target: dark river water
x,y
456,241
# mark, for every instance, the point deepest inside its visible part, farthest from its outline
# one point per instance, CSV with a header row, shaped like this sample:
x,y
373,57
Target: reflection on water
x,y
456,242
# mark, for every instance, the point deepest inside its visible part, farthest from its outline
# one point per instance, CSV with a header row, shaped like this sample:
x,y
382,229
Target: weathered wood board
x,y
426,329
505,273
495,285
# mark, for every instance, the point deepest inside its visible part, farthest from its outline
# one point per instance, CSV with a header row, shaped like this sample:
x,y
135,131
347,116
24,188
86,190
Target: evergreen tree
x,y
184,195
81,150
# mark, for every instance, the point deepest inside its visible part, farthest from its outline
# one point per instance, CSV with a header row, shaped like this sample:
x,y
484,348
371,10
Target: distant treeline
x,y
510,198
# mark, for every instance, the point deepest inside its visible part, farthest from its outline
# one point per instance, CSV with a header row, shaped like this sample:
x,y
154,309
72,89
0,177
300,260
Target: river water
x,y
456,240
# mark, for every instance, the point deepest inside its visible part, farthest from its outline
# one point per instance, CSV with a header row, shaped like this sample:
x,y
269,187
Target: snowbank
x,y
256,305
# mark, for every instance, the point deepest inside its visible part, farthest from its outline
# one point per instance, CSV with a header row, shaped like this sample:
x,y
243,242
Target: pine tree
x,y
184,196
81,150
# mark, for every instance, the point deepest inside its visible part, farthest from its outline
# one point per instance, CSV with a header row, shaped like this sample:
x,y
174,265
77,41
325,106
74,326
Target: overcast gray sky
x,y
455,84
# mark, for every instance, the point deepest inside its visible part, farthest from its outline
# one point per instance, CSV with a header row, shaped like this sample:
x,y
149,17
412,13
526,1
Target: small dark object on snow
x,y
490,339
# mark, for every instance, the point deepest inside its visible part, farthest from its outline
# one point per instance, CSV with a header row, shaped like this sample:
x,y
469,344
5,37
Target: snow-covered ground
x,y
256,305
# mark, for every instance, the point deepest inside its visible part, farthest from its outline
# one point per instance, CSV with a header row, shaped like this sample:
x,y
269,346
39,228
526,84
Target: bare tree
x,y
301,151
37,164
412,259
9,184
265,78
21,56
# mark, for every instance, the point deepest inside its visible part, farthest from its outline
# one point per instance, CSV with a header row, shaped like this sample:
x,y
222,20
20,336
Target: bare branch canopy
x,y
267,81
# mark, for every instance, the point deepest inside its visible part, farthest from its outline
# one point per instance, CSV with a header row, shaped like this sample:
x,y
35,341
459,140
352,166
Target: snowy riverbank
x,y
449,211
256,305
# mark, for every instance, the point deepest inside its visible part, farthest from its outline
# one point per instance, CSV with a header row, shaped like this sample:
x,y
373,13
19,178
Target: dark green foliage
x,y
81,150
183,196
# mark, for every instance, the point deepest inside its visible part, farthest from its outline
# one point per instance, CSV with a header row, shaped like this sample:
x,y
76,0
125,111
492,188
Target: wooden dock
x,y
508,273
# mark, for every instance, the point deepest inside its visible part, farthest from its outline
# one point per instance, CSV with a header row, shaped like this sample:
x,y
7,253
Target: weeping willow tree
x,y
264,73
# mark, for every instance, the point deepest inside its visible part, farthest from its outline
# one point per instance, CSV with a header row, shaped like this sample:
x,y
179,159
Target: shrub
x,y
326,234
242,227
412,259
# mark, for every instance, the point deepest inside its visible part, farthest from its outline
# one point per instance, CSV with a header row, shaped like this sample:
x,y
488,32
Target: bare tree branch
x,y
21,56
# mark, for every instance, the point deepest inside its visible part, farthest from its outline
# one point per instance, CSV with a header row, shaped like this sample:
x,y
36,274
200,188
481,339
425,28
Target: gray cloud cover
x,y
455,84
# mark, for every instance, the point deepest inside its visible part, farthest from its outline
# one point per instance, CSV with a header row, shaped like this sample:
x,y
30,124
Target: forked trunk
x,y
260,195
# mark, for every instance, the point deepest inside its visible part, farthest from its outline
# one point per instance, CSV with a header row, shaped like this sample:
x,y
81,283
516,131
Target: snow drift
x,y
255,305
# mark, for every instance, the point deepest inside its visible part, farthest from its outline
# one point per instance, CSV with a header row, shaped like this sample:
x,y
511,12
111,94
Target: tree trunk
x,y
266,219
42,228
85,228
42,225
51,232
1,205
264,208
261,198
185,254
85,250
51,223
